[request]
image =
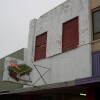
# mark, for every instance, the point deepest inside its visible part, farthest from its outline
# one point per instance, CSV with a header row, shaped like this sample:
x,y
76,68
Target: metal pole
x,y
40,74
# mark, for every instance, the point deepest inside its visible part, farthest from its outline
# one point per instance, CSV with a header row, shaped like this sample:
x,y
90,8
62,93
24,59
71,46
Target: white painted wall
x,y
72,64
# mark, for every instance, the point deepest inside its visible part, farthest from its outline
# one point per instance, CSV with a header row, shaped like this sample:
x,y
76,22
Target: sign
x,y
17,71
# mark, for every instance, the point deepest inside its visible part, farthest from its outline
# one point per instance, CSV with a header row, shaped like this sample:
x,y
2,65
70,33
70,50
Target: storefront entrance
x,y
62,97
74,97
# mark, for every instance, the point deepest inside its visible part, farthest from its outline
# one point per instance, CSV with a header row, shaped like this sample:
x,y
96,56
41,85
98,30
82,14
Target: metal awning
x,y
48,87
44,87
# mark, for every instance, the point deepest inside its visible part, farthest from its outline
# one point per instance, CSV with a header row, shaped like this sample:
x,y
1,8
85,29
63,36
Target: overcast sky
x,y
15,16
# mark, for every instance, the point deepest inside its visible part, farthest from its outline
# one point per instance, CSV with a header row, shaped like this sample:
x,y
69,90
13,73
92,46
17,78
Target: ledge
x,y
44,87
88,80
95,41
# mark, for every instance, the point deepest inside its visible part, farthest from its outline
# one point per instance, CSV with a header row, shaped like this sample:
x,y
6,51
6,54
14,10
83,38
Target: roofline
x,y
12,53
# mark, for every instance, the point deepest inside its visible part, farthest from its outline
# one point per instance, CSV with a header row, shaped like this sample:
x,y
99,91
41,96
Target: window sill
x,y
95,41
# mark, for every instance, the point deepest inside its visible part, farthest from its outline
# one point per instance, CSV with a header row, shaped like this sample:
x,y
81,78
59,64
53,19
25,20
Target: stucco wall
x,y
72,64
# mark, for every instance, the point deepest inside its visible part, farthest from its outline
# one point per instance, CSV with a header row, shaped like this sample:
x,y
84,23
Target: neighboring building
x,y
6,86
66,40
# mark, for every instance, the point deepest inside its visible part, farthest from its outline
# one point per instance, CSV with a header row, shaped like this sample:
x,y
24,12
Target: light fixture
x,y
82,94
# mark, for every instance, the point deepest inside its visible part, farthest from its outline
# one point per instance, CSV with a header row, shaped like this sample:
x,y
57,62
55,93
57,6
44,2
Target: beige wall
x,y
96,45
94,5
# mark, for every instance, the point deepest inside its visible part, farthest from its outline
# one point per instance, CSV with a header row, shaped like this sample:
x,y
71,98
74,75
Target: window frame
x,y
94,11
77,43
37,47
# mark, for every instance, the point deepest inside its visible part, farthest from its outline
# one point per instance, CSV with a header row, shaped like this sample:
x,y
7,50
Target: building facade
x,y
50,41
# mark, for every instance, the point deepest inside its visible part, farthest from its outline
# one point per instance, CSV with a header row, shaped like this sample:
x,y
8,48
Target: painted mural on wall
x,y
17,71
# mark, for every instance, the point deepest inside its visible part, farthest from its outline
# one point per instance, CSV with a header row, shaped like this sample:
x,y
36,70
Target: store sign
x,y
17,71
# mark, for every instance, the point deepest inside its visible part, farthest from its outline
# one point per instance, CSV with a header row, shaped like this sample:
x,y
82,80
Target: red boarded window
x,y
40,46
70,36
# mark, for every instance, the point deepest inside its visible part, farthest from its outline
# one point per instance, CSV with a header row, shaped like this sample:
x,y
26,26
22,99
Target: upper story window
x,y
40,46
70,35
96,24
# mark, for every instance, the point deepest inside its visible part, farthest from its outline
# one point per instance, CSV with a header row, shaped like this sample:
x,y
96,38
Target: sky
x,y
15,16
